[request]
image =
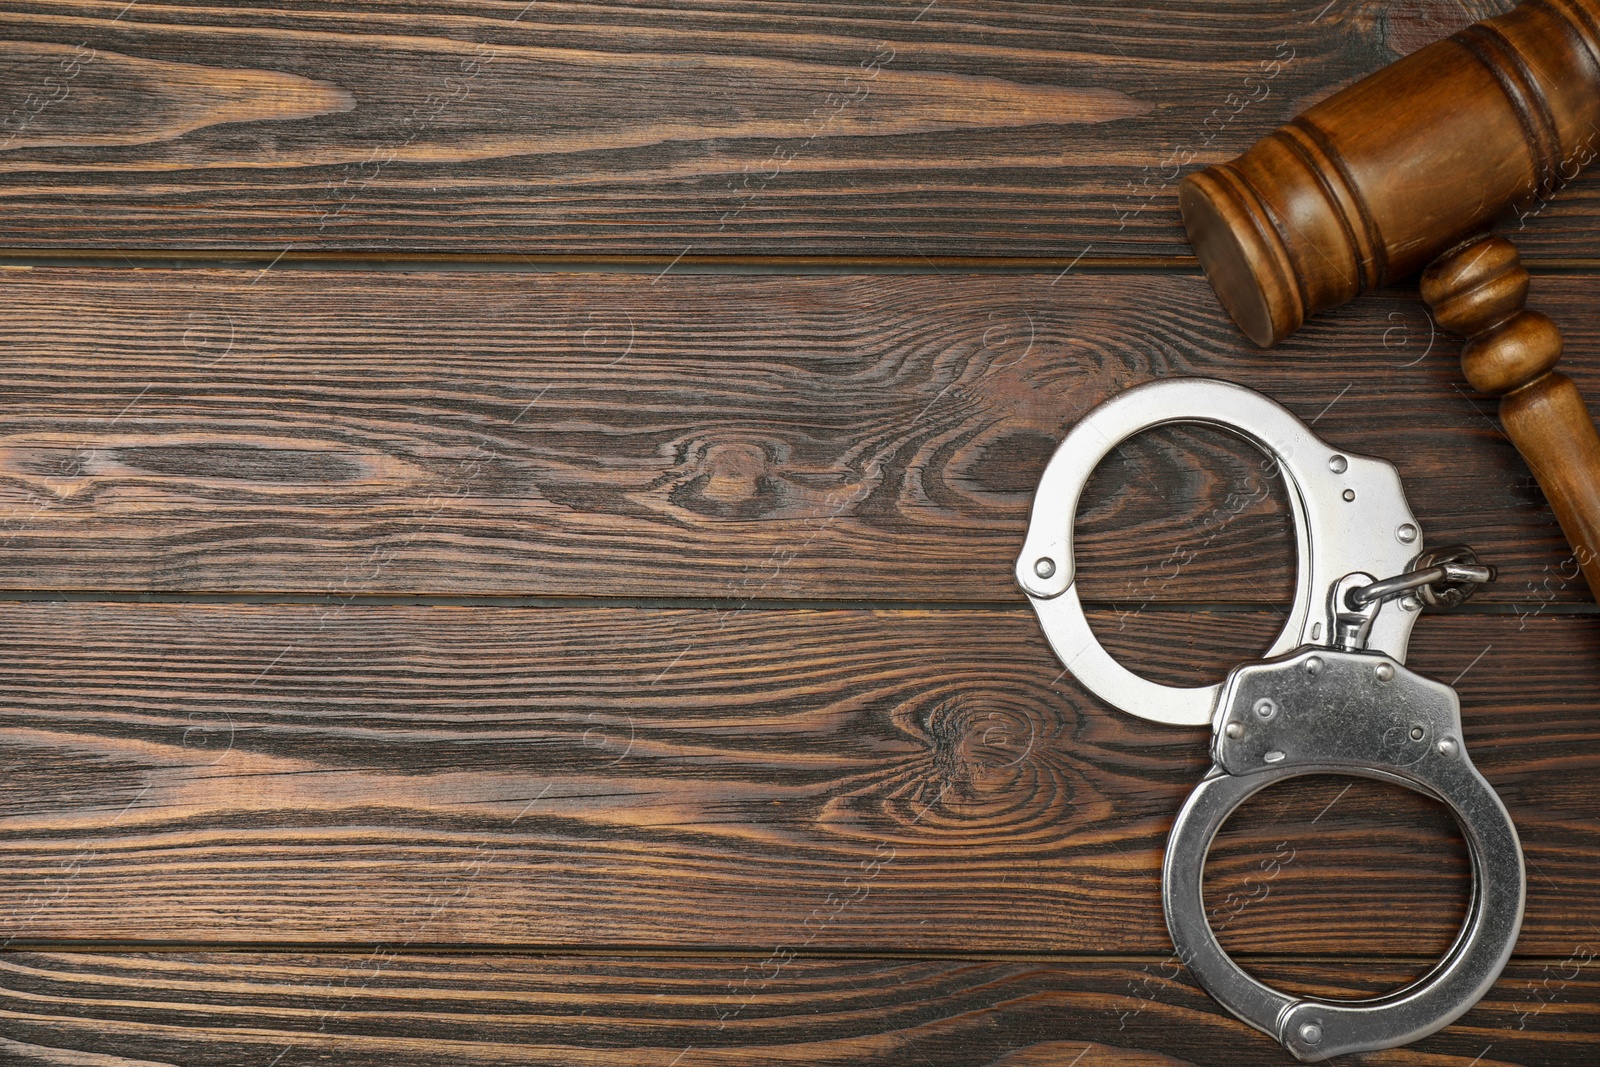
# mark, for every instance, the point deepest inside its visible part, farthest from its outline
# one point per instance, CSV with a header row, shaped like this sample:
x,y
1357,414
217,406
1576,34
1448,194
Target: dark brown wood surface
x,y
871,438
888,781
414,657
398,1008
902,129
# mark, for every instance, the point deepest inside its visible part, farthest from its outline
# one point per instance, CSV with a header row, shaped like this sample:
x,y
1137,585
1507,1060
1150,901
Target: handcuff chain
x,y
1443,578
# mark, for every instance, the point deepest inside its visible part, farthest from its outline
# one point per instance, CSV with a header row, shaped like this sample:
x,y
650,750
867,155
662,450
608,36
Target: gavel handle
x,y
1478,290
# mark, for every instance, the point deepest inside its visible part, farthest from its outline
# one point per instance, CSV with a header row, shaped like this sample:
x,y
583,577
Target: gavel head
x,y
1370,185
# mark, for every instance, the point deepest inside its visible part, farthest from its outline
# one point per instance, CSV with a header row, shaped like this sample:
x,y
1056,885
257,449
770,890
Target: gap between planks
x,y
693,952
688,263
109,596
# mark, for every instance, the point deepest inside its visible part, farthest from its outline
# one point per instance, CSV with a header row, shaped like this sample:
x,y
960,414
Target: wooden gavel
x,y
1406,170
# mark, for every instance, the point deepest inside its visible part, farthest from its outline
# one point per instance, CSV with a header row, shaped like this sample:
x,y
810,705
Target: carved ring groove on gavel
x,y
1406,170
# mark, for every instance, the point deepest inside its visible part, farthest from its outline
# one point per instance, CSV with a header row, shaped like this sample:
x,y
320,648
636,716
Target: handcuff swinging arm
x,y
1349,514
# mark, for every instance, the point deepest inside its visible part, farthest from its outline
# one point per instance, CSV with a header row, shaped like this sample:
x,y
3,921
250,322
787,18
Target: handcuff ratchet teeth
x,y
1331,696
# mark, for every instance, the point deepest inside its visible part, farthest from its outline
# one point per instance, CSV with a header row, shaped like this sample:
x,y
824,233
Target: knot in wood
x,y
977,740
735,471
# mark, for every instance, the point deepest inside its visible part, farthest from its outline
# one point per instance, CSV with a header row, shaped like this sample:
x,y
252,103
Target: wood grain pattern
x,y
982,128
404,1009
875,781
760,828
735,438
77,82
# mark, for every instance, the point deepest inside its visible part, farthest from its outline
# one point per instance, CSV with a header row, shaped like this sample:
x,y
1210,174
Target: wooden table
x,y
508,514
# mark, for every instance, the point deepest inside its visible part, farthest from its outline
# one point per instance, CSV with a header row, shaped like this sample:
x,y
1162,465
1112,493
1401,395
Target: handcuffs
x,y
1331,696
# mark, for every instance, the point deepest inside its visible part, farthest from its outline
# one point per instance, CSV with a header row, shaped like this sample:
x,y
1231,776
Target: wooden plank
x,y
904,128
744,438
875,781
408,1009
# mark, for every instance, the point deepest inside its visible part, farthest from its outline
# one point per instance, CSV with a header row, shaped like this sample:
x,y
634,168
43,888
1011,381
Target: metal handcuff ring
x,y
1331,696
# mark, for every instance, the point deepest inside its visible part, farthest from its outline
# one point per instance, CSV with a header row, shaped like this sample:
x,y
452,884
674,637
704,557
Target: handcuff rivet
x,y
1265,708
1338,464
1235,730
1273,757
1407,533
1384,671
1448,747
1044,567
1349,494
1311,1033
1313,666
1417,733
1410,603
